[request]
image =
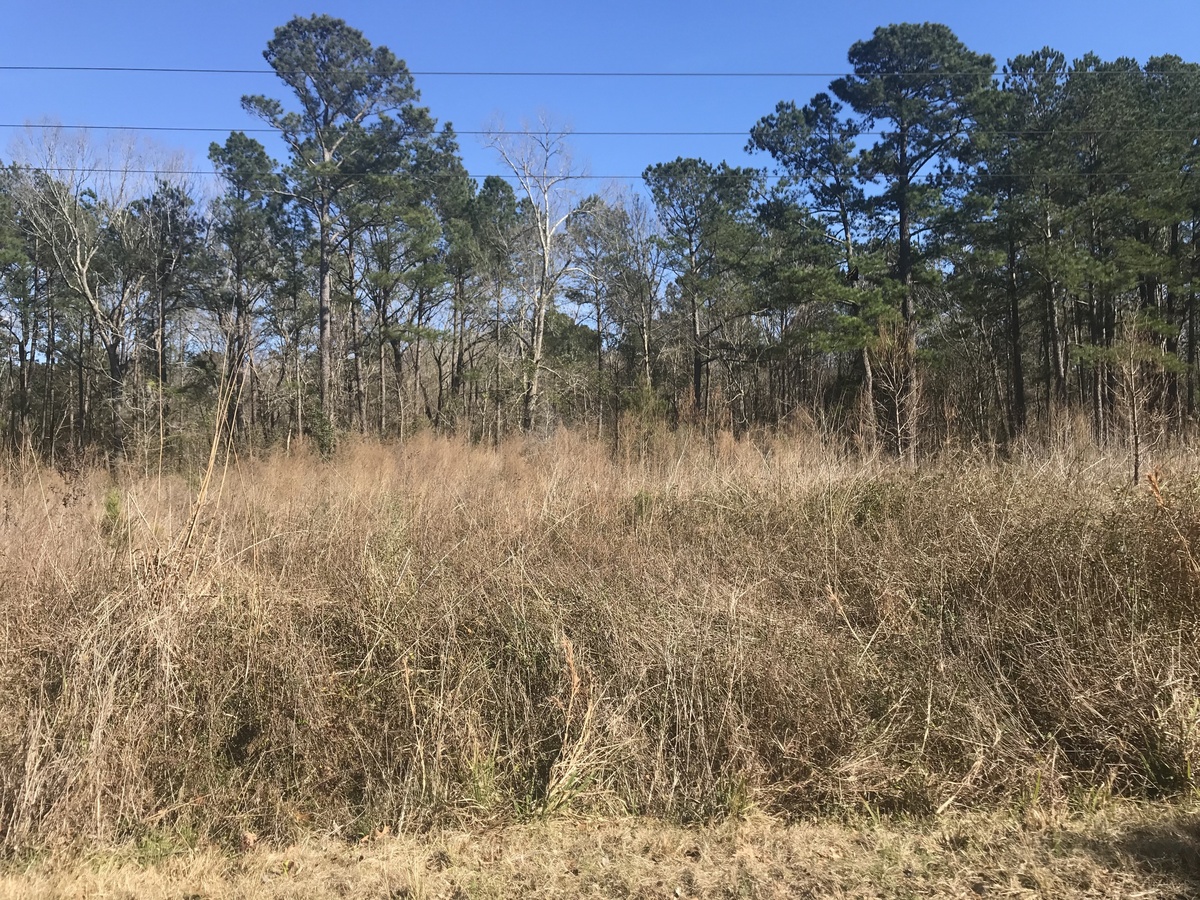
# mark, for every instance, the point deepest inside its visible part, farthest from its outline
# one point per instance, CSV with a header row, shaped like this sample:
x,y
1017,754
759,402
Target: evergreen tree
x,y
921,86
345,87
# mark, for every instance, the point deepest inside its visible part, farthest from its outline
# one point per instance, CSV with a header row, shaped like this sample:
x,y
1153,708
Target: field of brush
x,y
442,636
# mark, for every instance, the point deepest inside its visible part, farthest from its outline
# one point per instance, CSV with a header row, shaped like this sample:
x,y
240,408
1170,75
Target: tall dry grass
x,y
408,635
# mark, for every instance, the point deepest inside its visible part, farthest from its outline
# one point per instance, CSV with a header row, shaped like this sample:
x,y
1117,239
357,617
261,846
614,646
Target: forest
x,y
935,252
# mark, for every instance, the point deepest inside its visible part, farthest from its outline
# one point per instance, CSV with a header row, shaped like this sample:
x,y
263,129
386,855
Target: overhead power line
x,y
201,173
501,73
194,129
572,73
202,129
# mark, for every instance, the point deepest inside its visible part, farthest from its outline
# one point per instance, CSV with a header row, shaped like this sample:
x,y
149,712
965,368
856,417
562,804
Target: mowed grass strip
x,y
1120,851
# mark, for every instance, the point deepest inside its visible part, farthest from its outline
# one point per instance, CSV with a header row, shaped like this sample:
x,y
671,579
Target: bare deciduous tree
x,y
540,160
77,196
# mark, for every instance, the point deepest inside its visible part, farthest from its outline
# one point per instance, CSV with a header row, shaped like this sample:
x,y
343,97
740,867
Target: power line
x,y
1081,132
193,129
103,170
498,73
109,170
570,73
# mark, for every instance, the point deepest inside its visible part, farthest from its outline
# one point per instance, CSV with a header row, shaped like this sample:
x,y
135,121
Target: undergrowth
x,y
436,632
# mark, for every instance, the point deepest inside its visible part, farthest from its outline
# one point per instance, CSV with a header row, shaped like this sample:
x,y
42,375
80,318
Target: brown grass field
x,y
712,669
1118,852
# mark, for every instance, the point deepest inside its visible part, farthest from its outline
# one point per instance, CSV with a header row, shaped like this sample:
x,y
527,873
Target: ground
x,y
1120,851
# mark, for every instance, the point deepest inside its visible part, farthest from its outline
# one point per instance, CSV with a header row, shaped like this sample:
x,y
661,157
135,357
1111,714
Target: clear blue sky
x,y
743,35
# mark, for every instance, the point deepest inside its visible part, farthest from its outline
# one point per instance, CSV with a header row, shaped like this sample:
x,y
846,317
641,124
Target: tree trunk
x,y
382,387
360,397
698,403
599,365
909,393
534,377
868,413
325,312
160,327
116,394
496,432
1017,409
49,429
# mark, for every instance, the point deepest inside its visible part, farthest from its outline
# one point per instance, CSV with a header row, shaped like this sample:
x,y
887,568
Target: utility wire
x,y
192,128
463,73
568,73
997,74
88,170
1016,132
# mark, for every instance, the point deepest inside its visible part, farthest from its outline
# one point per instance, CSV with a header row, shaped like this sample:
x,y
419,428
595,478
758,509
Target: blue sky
x,y
533,35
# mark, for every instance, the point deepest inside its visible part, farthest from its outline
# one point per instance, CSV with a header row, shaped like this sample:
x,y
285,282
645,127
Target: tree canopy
x,y
933,252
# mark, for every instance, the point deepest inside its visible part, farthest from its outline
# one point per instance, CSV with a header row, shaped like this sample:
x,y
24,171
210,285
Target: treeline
x,y
935,252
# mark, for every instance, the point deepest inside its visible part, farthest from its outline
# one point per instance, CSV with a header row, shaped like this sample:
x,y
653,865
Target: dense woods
x,y
935,252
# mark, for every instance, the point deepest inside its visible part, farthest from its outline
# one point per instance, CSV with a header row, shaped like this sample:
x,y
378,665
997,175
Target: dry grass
x,y
1118,853
441,635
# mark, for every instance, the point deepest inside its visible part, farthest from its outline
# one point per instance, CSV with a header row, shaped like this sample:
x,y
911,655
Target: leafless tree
x,y
77,196
541,163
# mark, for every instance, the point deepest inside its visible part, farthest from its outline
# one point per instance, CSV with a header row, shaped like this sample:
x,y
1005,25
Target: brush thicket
x,y
433,632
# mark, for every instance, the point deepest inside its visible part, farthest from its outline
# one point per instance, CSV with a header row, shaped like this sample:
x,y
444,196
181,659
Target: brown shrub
x,y
436,631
